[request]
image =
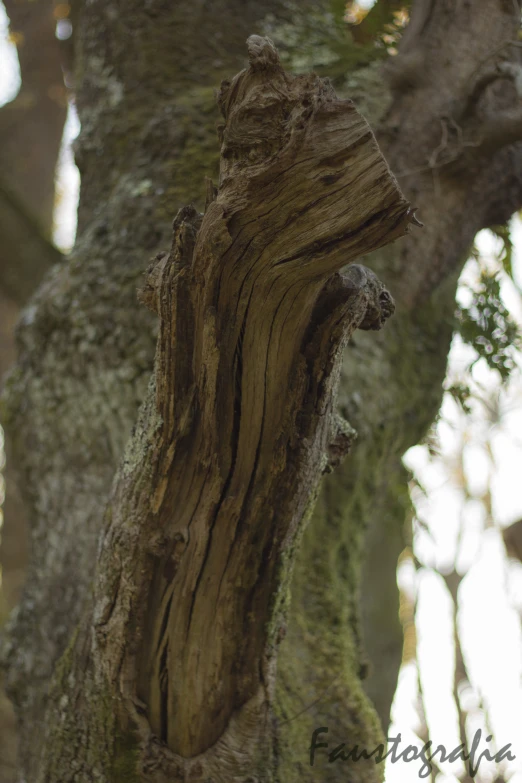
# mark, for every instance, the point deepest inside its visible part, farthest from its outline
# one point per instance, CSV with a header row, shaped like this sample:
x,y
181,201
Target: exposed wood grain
x,y
238,425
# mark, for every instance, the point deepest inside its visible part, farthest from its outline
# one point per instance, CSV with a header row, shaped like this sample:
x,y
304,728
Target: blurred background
x,y
461,577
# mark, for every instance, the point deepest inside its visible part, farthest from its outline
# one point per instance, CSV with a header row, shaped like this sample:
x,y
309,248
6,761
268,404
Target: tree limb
x,y
420,15
25,253
31,125
499,131
504,70
237,427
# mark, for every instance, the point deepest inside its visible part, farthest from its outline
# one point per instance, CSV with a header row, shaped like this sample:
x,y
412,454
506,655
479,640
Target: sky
x,y
491,592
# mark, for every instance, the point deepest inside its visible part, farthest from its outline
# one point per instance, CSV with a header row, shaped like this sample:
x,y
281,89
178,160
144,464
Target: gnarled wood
x,y
147,138
238,426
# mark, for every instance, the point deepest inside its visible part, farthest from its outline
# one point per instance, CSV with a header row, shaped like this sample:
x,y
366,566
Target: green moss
x,y
322,661
88,738
282,598
319,661
9,394
125,759
198,156
64,666
320,41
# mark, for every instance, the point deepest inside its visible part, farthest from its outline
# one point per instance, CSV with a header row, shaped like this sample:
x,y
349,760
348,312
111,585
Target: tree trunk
x,y
70,425
30,134
205,514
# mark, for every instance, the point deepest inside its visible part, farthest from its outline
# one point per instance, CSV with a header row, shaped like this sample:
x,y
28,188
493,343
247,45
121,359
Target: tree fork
x,y
255,306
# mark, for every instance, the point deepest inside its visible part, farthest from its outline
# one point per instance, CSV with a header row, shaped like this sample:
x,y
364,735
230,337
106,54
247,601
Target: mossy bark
x,y
31,128
145,80
199,538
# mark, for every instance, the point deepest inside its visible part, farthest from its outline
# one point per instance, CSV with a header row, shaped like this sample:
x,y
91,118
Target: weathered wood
x,y
147,138
237,428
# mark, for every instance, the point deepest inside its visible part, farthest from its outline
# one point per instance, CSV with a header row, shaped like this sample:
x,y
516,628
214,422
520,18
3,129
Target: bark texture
x,y
236,429
30,134
141,111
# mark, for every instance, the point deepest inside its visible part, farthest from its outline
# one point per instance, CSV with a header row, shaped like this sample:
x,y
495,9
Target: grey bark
x,y
30,133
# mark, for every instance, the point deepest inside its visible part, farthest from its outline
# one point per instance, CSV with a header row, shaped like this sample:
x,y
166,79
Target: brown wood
x,y
238,425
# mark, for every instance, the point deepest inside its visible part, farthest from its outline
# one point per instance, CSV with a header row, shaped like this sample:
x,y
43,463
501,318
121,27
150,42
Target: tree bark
x,y
238,425
133,115
363,508
31,129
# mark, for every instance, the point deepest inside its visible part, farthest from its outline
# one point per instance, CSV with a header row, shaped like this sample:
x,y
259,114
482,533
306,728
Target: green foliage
x,y
461,393
488,327
506,255
317,41
383,24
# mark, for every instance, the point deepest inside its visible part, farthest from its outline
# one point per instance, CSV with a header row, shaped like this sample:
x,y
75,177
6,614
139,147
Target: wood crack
x,y
250,345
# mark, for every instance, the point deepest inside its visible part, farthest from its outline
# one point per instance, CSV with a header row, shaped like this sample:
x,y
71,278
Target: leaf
x,y
461,393
506,255
487,326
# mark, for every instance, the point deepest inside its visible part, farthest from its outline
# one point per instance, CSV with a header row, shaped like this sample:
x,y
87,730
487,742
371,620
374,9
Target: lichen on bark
x,y
201,530
82,423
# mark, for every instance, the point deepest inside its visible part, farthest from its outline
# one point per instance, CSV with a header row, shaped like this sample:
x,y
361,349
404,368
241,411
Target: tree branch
x,y
238,426
31,125
420,15
504,70
407,70
25,253
499,131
